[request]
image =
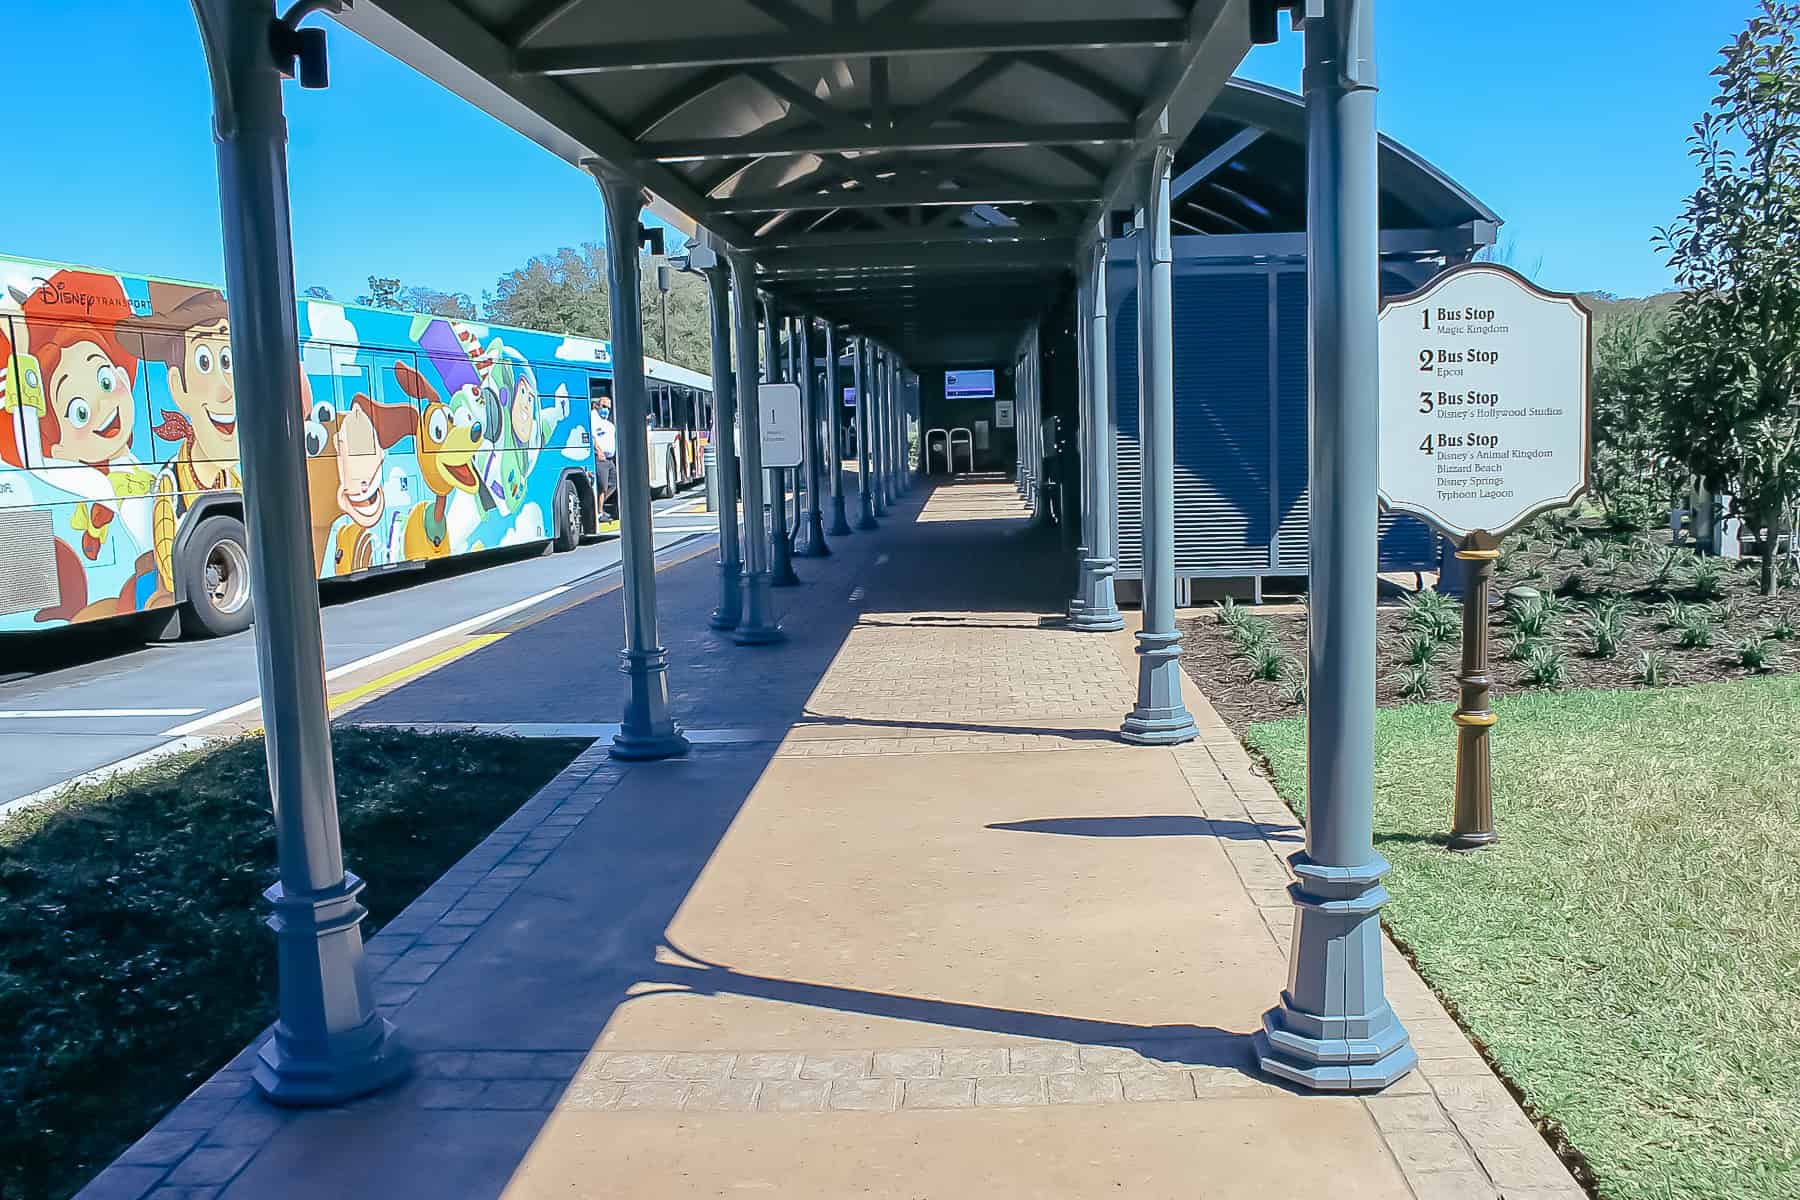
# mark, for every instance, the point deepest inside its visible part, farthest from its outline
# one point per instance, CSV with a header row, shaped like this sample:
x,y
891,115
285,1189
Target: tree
x,y
315,292
566,292
1631,470
387,292
1733,339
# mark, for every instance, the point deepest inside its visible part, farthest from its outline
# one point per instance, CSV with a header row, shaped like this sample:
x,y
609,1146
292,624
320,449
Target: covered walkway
x,y
931,931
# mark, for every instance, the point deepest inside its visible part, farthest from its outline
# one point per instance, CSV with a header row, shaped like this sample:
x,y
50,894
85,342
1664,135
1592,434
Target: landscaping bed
x,y
1614,610
1627,955
134,961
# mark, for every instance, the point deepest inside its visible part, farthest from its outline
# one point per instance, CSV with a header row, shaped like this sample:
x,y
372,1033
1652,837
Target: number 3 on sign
x,y
1424,402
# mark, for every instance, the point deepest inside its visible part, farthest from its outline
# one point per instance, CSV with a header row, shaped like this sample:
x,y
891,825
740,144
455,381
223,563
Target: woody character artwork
x,y
346,454
72,430
191,339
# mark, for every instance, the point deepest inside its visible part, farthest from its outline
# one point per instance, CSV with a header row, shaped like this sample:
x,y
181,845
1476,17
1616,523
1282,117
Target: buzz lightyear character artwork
x,y
511,390
73,429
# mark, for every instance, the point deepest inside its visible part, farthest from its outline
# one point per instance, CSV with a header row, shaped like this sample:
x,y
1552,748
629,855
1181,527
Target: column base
x,y
867,522
756,629
1159,726
1094,619
318,943
840,525
647,731
1334,1030
782,575
811,542
731,598
646,747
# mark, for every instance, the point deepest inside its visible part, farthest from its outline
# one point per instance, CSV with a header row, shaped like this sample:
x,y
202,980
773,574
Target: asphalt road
x,y
74,701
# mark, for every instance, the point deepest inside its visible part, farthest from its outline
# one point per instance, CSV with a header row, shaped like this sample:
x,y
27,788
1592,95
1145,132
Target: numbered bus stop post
x,y
711,264
865,484
1160,717
834,451
1101,615
329,1043
648,730
811,542
1333,1029
781,559
1472,823
758,627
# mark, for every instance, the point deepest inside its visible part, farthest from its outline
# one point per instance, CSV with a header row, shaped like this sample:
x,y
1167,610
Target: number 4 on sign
x,y
1425,446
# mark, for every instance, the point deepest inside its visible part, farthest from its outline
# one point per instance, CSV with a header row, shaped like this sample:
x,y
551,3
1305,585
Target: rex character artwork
x,y
345,457
191,339
448,440
83,464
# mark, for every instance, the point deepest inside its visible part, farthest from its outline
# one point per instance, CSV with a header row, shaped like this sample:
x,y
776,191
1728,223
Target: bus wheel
x,y
215,577
568,517
669,485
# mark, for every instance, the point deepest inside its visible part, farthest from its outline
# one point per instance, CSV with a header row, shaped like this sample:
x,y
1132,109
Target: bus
x,y
426,437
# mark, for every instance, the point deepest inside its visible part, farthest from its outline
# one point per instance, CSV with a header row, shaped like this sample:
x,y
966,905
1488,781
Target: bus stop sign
x,y
1484,401
783,428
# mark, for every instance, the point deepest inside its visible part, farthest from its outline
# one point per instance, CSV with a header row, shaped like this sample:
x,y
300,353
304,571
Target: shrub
x,y
1780,629
1432,612
1665,564
1547,667
1414,680
1420,648
1573,584
1267,661
1229,613
1604,630
1293,689
1695,630
1757,654
1252,632
1653,668
1706,576
1670,614
1591,553
1519,646
1530,617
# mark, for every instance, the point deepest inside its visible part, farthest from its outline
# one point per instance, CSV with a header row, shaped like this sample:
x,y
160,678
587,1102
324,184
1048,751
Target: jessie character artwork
x,y
191,339
84,463
348,503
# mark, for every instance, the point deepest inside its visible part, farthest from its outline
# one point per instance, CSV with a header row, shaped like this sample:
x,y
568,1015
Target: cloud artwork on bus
x,y
425,436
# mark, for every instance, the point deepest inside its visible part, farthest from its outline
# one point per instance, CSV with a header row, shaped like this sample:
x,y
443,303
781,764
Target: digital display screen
x,y
849,397
969,385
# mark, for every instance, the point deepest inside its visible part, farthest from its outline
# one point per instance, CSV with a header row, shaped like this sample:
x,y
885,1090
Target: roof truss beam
x,y
1233,146
876,39
906,196
974,135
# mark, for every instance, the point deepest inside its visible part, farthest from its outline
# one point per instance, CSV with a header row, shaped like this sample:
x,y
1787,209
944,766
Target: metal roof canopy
x,y
919,170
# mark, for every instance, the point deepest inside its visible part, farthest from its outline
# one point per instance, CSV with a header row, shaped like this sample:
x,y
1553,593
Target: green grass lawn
x,y
1630,953
133,957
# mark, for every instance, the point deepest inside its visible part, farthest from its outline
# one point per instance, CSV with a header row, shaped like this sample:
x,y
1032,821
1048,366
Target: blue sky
x,y
1564,117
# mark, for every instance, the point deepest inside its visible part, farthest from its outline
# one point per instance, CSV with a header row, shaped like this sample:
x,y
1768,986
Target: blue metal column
x,y
834,451
865,424
878,427
811,542
1101,613
647,730
781,559
1082,596
902,443
1333,1029
329,1043
1160,717
758,627
731,563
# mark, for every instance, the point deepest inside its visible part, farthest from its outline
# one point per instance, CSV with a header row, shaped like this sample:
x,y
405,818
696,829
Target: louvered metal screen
x,y
1241,463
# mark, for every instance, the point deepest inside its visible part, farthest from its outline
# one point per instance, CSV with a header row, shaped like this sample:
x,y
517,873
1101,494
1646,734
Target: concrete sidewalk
x,y
926,929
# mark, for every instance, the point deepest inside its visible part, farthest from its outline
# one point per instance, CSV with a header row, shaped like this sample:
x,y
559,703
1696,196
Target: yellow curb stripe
x,y
431,663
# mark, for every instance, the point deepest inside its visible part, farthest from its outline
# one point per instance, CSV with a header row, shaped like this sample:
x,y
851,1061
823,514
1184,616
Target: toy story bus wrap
x,y
426,437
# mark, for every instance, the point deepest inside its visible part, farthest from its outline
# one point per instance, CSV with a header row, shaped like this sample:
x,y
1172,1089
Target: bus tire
x,y
213,574
569,517
668,488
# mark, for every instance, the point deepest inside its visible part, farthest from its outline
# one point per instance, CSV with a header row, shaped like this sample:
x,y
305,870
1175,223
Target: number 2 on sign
x,y
1424,360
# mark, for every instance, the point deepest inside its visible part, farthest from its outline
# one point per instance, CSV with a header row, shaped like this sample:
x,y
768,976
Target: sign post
x,y
1484,425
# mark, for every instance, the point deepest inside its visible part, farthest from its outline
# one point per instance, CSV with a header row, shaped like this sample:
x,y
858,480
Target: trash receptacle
x,y
709,463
